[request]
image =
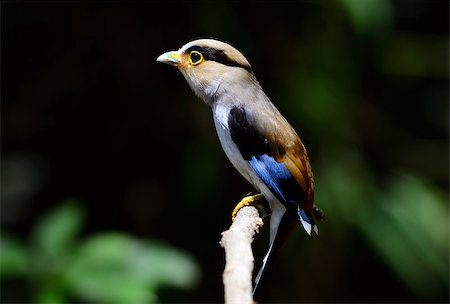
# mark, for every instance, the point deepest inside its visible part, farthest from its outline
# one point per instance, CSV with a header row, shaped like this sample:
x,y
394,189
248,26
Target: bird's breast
x,y
233,153
220,114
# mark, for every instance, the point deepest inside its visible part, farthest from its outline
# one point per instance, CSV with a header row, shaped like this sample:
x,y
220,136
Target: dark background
x,y
89,116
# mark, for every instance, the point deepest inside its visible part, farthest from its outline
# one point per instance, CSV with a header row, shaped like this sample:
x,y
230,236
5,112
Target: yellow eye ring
x,y
195,57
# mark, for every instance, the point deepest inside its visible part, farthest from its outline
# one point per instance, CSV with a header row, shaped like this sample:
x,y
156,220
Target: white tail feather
x,y
278,211
307,226
316,229
263,267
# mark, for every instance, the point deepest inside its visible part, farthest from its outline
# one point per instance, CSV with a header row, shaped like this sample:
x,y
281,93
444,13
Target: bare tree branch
x,y
237,275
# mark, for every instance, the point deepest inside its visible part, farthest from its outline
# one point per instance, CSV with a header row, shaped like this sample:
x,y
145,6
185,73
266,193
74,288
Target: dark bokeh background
x,y
89,117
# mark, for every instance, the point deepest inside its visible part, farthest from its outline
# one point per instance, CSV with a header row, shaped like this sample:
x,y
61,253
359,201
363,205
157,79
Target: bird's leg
x,y
249,200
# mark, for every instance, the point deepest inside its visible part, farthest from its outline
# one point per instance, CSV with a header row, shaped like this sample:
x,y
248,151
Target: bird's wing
x,y
276,154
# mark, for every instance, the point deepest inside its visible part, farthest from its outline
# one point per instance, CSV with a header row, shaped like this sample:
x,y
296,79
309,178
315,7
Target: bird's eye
x,y
195,57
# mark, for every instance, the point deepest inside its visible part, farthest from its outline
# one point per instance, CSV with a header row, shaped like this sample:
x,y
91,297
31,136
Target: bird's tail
x,y
307,221
269,255
287,224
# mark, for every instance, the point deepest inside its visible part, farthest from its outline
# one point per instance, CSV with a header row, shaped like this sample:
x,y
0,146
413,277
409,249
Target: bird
x,y
257,139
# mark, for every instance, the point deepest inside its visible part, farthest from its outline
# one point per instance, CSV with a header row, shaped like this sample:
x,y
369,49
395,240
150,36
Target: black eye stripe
x,y
217,56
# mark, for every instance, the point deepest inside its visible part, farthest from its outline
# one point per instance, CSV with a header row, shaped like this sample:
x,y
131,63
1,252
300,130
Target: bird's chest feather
x,y
220,114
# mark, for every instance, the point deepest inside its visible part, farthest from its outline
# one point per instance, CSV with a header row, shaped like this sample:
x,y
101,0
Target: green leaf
x,y
114,267
56,231
410,231
13,257
52,292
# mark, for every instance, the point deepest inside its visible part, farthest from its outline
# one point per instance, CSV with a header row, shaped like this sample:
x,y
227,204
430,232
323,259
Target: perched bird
x,y
257,139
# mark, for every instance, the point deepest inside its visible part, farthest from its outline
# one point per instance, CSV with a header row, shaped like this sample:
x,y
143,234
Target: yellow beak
x,y
171,58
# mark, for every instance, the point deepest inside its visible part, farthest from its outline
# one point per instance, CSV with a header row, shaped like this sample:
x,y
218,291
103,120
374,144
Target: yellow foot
x,y
248,200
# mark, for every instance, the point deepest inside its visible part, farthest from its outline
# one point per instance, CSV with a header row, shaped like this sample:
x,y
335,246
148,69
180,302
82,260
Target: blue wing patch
x,y
275,175
281,182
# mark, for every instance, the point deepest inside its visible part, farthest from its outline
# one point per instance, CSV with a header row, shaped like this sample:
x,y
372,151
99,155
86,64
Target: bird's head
x,y
210,67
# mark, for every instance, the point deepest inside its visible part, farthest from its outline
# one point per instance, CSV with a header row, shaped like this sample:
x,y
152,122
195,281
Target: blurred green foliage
x,y
13,258
410,231
108,267
405,219
369,16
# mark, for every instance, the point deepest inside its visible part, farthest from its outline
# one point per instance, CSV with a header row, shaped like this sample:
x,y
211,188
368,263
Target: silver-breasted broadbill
x,y
257,139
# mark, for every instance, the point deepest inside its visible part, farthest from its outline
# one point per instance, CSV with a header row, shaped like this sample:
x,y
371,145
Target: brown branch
x,y
237,275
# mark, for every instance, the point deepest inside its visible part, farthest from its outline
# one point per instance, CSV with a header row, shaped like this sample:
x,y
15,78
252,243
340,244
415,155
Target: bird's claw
x,y
246,201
